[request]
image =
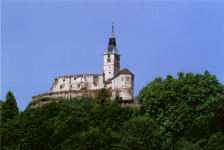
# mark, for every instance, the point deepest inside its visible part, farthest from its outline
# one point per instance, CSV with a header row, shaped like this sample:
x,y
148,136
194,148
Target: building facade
x,y
121,81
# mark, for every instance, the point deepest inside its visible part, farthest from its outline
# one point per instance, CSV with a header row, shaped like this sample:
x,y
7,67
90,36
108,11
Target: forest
x,y
186,113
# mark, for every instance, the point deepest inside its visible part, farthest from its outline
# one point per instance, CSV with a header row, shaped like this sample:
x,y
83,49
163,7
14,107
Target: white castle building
x,y
121,81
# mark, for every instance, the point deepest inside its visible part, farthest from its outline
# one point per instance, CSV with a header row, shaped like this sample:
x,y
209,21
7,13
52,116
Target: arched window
x,y
94,83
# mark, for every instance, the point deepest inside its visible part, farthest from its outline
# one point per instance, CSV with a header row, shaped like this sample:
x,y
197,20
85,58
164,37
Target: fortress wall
x,y
41,103
66,94
126,93
76,82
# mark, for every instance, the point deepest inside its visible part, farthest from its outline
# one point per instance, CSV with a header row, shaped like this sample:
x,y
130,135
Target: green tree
x,y
215,142
85,103
175,103
140,133
95,139
9,108
118,99
112,116
102,97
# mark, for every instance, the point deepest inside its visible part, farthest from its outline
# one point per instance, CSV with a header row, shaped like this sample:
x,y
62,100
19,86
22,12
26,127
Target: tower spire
x,y
112,27
112,33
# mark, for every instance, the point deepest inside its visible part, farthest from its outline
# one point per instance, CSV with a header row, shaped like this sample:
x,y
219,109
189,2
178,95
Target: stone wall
x,y
66,94
41,103
124,92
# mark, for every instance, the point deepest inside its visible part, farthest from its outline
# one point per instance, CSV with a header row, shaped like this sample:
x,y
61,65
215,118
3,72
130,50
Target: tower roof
x,y
112,49
112,34
124,71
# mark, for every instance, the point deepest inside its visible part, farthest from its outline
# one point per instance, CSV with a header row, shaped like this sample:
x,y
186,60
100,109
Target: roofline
x,y
112,53
77,75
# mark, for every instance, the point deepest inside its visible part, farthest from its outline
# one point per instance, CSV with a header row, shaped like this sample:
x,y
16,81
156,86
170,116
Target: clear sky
x,y
41,40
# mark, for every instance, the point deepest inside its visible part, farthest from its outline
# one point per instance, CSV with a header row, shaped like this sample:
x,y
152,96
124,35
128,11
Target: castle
x,y
117,81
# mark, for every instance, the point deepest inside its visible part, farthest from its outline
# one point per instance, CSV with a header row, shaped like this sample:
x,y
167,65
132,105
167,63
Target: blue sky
x,y
41,40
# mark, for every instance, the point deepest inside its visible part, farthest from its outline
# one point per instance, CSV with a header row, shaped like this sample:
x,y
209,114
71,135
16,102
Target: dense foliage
x,y
177,104
183,113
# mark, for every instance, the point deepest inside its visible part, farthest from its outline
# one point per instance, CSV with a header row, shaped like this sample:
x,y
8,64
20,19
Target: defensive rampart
x,y
82,94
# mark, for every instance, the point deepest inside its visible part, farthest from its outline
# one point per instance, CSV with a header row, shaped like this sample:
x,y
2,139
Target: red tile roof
x,y
124,71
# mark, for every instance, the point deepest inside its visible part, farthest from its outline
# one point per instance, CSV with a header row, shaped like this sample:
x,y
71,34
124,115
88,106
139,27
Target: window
x,y
63,80
79,86
71,86
86,85
109,72
108,56
95,78
127,79
108,60
108,79
117,58
84,77
74,78
132,79
121,79
60,86
95,85
109,66
105,85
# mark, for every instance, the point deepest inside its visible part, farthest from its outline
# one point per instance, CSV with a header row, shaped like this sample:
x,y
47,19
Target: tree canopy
x,y
9,107
175,103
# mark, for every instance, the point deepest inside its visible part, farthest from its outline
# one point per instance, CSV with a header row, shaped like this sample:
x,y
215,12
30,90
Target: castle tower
x,y
111,63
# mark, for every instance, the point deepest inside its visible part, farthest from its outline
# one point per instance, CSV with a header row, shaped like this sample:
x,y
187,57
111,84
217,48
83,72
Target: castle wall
x,y
126,93
76,82
66,94
125,85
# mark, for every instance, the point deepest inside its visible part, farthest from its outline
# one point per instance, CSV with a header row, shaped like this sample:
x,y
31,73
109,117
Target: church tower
x,y
111,63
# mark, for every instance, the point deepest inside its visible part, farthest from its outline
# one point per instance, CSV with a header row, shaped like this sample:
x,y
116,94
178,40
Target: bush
x,y
84,88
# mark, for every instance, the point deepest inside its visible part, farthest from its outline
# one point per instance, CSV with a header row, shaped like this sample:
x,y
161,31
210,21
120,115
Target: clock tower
x,y
111,63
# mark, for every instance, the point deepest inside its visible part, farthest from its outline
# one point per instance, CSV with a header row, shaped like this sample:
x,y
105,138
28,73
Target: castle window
x,y
109,72
121,79
86,85
84,77
127,79
63,80
74,78
79,86
71,86
105,85
108,60
60,86
108,56
95,85
95,78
